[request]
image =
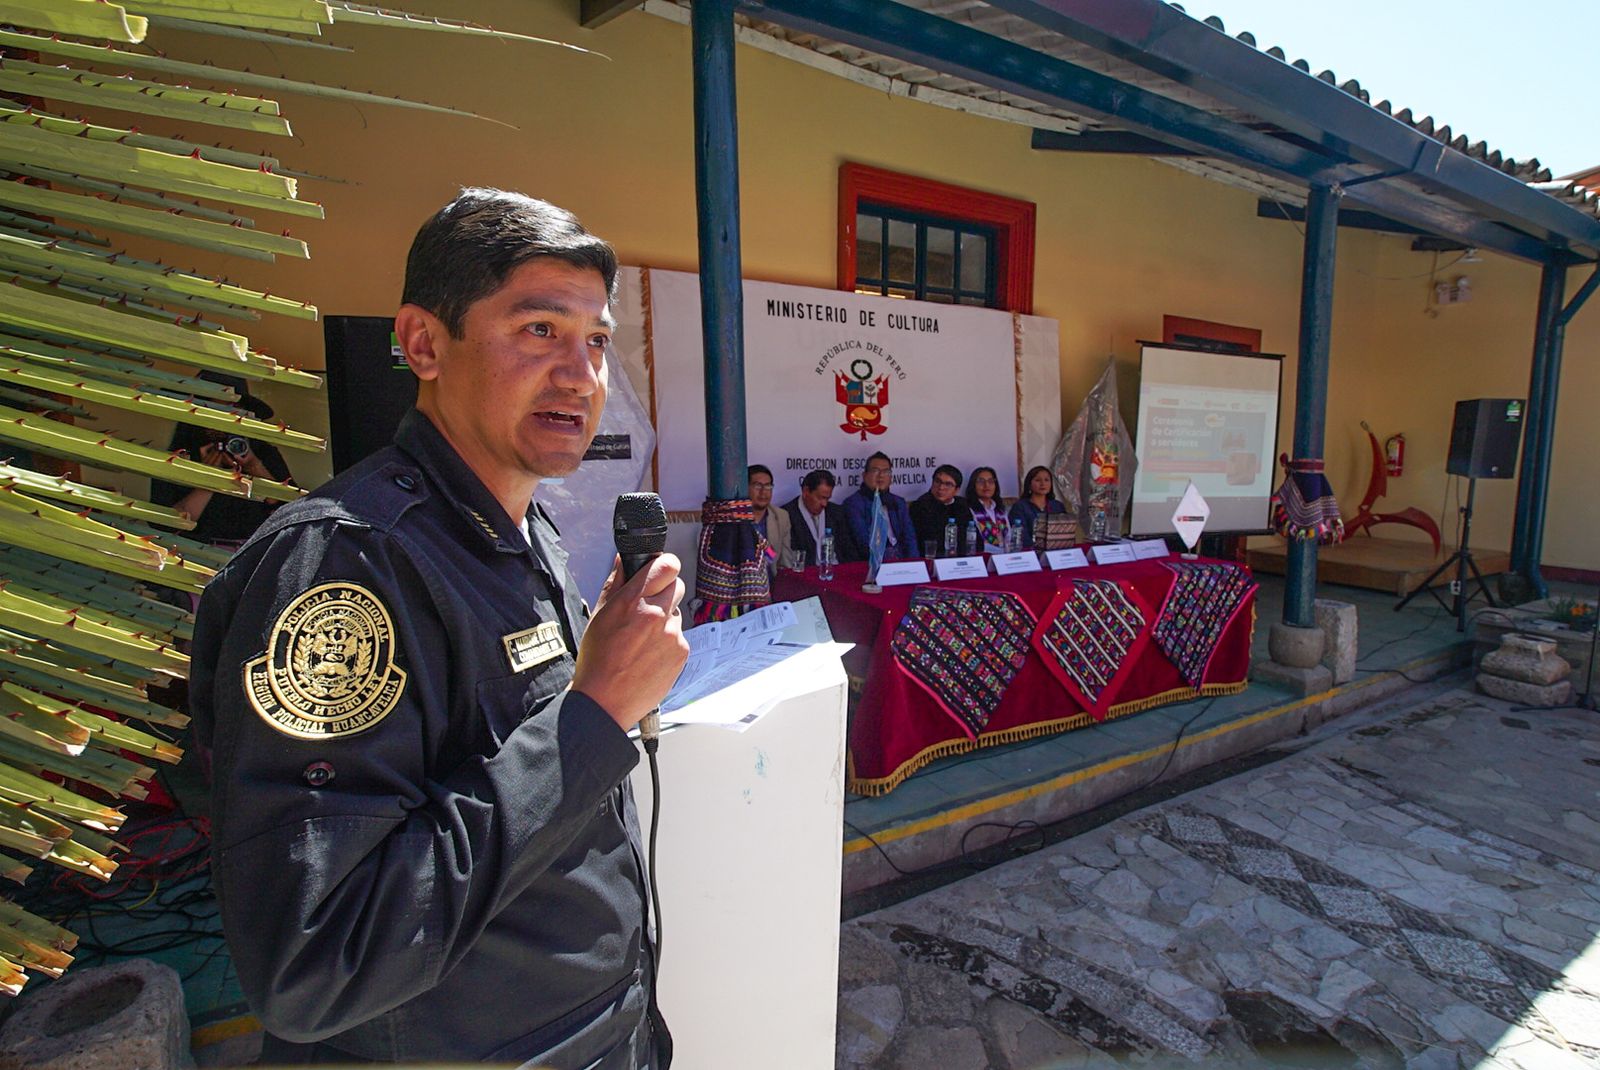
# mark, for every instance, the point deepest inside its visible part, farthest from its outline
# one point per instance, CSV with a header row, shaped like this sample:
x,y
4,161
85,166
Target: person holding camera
x,y
223,519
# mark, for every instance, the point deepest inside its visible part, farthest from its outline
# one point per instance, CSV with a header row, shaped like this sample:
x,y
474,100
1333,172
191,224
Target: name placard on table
x,y
1145,549
960,568
1073,557
899,573
1114,553
1011,564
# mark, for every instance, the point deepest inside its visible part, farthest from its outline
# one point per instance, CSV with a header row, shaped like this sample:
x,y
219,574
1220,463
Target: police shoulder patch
x,y
329,666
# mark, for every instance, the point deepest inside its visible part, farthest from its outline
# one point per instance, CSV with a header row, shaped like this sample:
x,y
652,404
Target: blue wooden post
x,y
1534,475
1311,384
716,172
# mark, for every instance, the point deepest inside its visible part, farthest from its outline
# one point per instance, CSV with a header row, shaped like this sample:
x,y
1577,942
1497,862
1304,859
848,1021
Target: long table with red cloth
x,y
898,726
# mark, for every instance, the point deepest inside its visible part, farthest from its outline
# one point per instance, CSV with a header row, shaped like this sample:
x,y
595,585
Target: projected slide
x,y
1212,418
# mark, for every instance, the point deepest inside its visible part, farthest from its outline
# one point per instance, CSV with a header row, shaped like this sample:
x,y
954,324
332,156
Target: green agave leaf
x,y
14,869
384,16
106,362
304,18
126,94
52,521
23,789
123,57
99,616
20,614
133,195
111,773
47,960
11,223
69,691
114,735
30,116
75,856
81,18
162,170
161,281
36,928
218,30
28,307
26,722
120,596
63,489
11,977
34,665
79,444
170,225
176,573
74,657
40,403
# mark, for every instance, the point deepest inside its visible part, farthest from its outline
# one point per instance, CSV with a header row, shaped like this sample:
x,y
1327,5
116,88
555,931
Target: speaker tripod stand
x,y
1463,563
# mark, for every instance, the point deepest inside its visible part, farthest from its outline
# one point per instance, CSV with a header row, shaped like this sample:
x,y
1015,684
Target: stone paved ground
x,y
1419,892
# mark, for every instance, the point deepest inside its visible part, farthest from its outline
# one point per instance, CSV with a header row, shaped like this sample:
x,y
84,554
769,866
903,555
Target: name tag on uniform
x,y
534,646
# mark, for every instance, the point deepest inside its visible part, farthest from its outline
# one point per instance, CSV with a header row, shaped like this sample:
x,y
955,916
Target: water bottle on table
x,y
825,556
950,537
973,546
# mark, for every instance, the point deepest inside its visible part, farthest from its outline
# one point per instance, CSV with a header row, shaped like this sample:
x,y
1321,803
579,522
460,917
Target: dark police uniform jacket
x,y
425,846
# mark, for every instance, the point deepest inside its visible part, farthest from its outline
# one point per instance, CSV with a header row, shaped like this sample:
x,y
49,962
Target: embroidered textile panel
x,y
1202,602
1089,637
964,648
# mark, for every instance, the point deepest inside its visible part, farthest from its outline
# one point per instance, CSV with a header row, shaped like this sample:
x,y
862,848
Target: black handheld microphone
x,y
639,525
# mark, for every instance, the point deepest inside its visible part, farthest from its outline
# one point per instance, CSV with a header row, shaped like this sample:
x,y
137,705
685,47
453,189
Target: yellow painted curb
x,y
227,1029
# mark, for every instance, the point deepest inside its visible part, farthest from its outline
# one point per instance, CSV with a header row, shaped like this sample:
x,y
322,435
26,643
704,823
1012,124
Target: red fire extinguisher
x,y
1394,455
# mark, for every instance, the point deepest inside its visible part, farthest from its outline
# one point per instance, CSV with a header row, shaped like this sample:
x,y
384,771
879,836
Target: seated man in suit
x,y
813,515
771,522
902,537
935,510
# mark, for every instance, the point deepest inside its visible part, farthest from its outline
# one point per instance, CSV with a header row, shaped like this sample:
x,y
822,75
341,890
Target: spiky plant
x,y
85,327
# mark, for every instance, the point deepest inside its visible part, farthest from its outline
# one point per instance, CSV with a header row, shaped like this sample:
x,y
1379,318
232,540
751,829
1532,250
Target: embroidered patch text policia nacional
x,y
329,667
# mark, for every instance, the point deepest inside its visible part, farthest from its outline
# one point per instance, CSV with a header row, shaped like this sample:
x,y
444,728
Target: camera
x,y
236,446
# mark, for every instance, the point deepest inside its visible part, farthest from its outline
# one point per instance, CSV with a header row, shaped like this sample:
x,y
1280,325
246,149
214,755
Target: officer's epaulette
x,y
488,528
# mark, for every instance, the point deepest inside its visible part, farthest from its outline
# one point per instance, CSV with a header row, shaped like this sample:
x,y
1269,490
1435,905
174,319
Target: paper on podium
x,y
739,669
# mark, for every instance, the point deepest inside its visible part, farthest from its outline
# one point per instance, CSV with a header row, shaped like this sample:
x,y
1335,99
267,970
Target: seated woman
x,y
932,513
1038,499
988,511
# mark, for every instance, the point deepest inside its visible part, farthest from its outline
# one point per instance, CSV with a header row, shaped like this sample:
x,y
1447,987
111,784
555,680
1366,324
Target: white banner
x,y
830,378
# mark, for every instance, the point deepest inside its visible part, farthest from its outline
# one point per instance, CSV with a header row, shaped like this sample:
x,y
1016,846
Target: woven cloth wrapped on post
x,y
1304,507
731,573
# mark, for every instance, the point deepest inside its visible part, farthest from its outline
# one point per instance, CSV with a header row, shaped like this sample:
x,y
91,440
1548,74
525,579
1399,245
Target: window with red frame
x,y
913,237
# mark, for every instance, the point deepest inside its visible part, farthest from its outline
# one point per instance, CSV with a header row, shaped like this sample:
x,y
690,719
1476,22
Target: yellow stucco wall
x,y
1121,241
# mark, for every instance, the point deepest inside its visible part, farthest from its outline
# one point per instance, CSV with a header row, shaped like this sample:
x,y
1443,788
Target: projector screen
x,y
1209,417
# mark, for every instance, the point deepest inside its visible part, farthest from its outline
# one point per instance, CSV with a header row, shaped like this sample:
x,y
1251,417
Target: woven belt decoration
x,y
1304,507
1201,603
964,648
731,573
1090,636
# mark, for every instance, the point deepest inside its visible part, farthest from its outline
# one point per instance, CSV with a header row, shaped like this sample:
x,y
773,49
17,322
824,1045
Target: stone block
x,y
1301,682
127,1015
1531,659
1338,623
1299,648
1526,694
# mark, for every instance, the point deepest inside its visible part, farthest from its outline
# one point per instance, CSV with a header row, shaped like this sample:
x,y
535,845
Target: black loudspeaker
x,y
370,386
1484,438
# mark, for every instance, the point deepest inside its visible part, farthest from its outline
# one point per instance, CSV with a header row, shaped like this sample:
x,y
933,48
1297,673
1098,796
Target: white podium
x,y
749,866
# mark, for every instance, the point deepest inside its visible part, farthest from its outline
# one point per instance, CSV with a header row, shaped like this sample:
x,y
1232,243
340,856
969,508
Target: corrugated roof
x,y
911,80
1570,190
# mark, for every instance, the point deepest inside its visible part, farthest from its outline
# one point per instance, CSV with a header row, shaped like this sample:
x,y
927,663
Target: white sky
x,y
1520,76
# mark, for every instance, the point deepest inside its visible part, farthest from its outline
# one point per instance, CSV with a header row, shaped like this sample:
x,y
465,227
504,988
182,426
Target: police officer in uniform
x,y
425,844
